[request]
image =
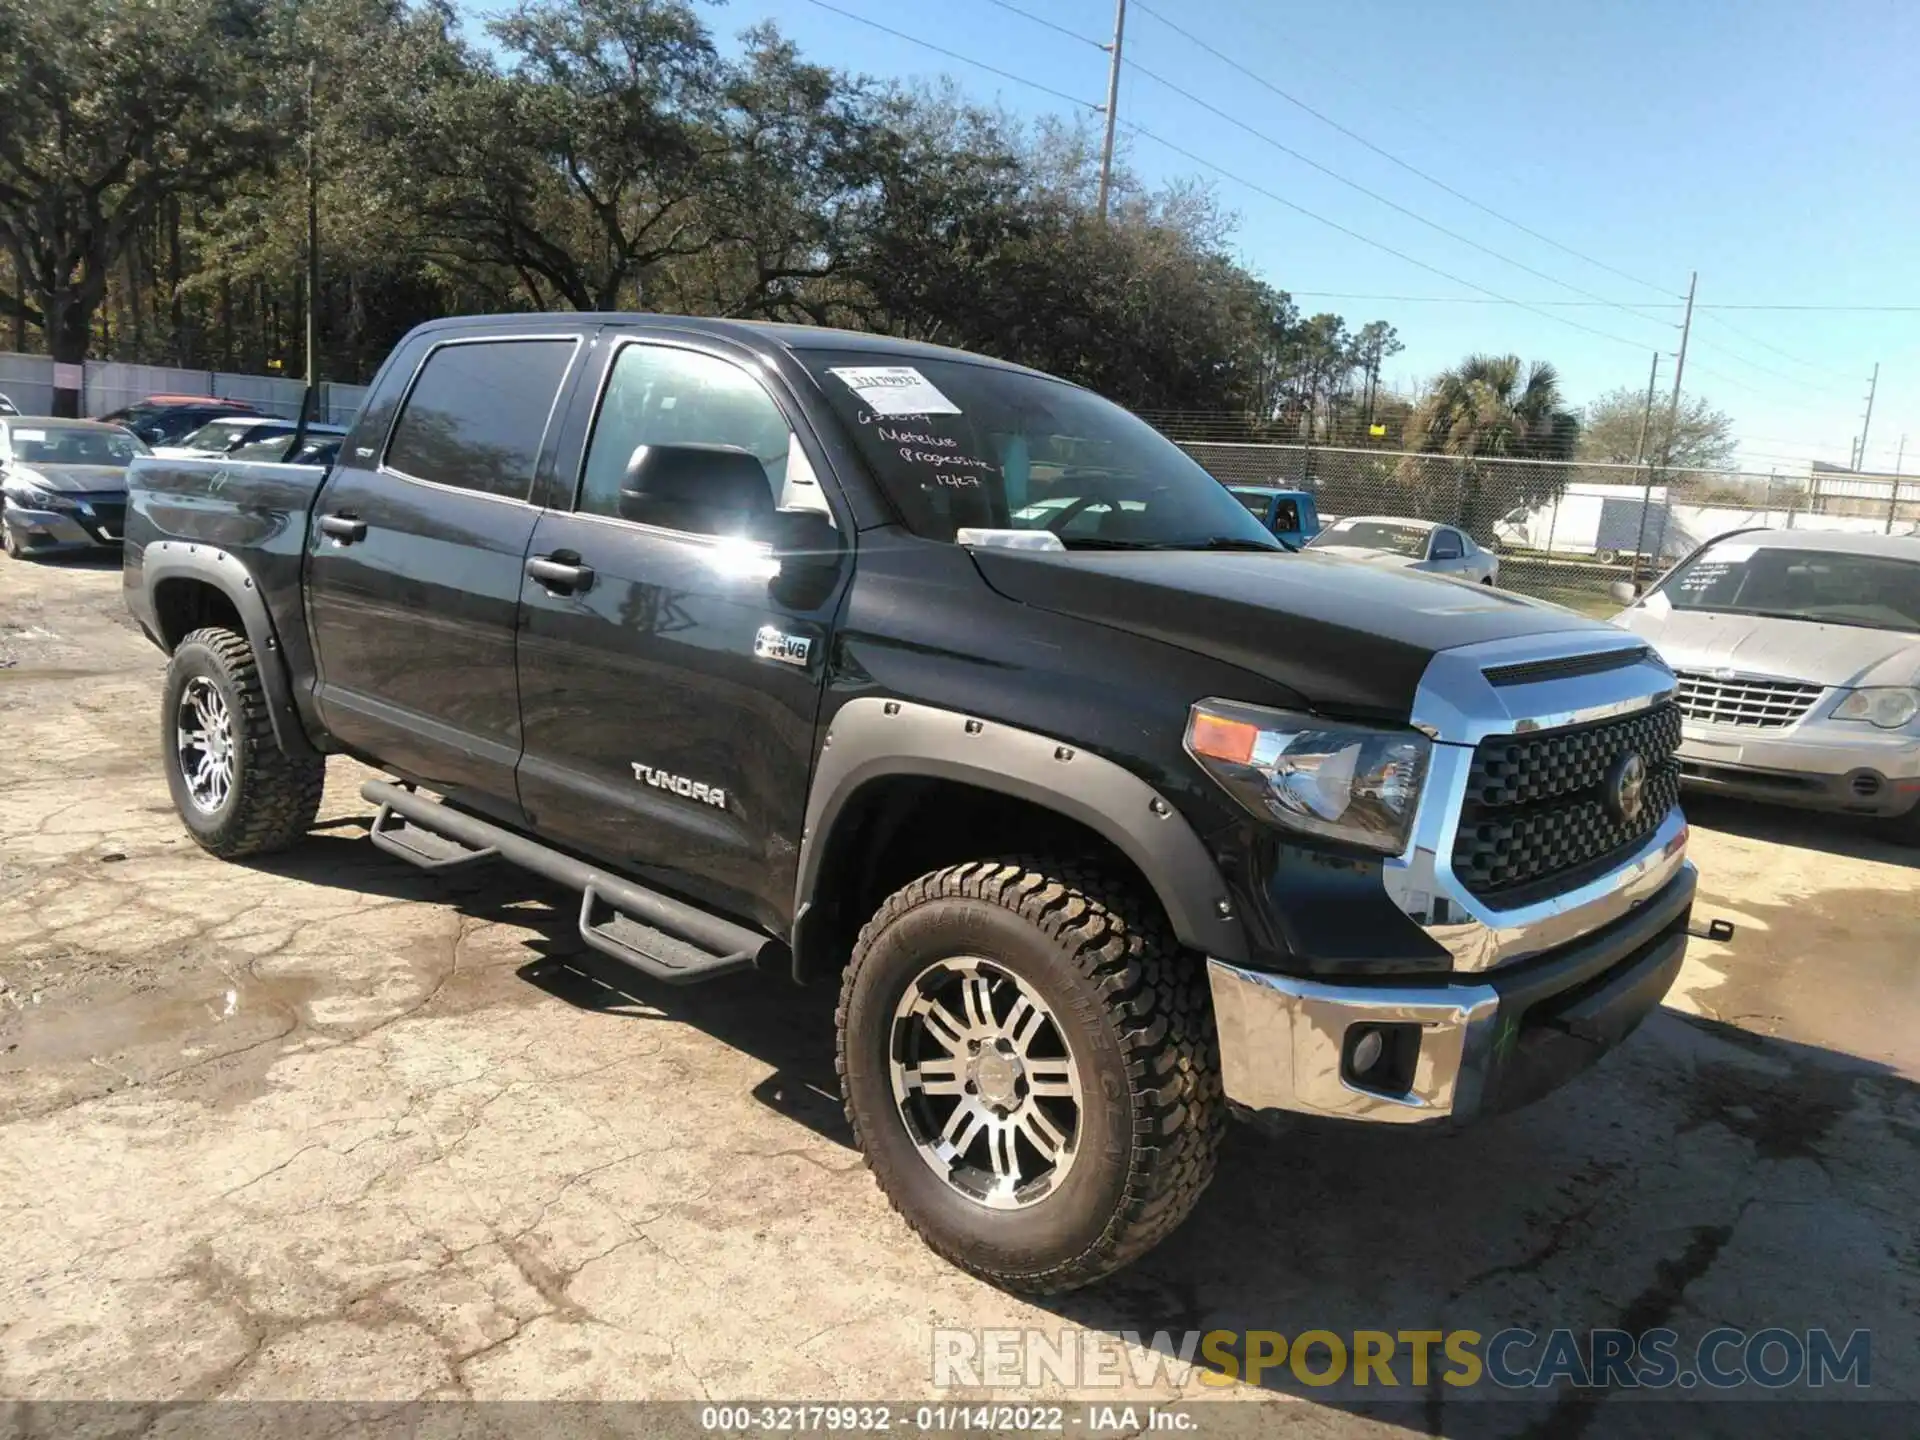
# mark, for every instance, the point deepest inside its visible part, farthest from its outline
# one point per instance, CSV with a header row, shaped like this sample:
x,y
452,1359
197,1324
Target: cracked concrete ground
x,y
325,1126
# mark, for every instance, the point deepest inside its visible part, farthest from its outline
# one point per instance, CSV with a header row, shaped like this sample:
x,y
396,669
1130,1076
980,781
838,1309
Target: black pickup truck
x,y
875,663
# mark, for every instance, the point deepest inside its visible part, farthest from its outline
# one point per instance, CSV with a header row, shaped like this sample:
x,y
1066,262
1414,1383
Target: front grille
x,y
1537,819
109,519
1744,700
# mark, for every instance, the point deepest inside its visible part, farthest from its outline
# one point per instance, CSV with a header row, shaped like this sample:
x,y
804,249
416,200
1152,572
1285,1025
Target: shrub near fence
x,y
1566,530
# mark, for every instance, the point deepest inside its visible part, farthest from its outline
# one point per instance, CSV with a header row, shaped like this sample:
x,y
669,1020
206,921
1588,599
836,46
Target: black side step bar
x,y
659,936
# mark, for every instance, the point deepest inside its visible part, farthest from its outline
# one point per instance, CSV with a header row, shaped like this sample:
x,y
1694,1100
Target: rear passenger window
x,y
476,414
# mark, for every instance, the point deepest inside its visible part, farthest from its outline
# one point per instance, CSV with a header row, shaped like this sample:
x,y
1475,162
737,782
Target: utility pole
x,y
1679,370
1860,460
1113,103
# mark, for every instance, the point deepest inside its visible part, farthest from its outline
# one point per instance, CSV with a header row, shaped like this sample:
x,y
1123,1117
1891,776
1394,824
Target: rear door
x,y
414,566
670,699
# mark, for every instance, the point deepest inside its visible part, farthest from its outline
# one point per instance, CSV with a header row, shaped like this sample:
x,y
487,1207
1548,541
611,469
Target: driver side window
x,y
657,395
1446,545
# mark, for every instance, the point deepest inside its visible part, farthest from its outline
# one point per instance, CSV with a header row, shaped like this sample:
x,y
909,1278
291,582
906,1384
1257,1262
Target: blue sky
x,y
1772,146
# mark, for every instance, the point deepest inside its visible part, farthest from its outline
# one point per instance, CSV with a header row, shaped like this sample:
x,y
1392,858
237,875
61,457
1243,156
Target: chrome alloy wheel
x,y
203,731
986,1082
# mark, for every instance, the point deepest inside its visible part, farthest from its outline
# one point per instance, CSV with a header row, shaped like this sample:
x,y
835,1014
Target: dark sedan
x,y
63,483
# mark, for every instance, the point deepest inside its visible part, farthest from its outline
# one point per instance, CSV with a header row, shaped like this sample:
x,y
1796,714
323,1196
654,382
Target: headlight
x,y
1888,706
1342,782
32,497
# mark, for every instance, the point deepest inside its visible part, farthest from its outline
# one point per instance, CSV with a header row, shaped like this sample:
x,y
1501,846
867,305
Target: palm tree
x,y
1493,408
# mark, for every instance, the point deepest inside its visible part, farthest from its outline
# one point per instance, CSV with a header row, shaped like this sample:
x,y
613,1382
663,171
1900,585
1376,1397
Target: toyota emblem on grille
x,y
1627,786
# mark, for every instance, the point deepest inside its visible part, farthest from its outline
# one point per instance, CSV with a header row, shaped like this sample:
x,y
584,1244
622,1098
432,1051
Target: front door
x,y
670,679
415,556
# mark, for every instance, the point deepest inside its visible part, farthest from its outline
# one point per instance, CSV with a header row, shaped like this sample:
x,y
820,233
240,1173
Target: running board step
x,y
666,939
395,834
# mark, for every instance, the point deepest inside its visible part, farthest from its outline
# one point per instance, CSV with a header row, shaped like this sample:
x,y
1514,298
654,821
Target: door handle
x,y
345,528
561,575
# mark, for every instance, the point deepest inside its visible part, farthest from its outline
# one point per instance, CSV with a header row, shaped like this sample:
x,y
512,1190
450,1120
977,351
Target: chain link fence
x,y
1565,531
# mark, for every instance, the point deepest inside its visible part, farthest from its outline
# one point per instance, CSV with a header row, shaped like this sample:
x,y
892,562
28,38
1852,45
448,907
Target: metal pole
x,y
313,245
1893,500
1646,415
1679,370
1867,424
1639,450
1113,104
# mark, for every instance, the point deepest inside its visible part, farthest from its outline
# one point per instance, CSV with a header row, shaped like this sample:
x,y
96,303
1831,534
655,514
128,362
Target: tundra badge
x,y
680,785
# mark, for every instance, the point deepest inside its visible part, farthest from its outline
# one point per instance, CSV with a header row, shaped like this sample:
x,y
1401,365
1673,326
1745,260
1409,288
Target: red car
x,y
163,419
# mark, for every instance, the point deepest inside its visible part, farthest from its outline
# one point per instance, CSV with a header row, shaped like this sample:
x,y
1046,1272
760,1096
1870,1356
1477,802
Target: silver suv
x,y
1798,657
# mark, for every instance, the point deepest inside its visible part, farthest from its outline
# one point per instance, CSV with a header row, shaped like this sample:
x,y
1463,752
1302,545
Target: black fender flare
x,y
871,738
165,560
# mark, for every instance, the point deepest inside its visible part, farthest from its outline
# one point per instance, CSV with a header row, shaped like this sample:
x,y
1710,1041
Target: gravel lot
x,y
328,1127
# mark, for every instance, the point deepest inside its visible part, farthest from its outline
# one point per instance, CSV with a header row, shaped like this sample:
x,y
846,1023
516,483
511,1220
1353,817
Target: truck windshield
x,y
956,444
1877,592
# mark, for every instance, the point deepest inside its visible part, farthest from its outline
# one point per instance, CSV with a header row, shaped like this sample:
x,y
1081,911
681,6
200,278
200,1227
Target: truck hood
x,y
75,479
1351,639
1821,654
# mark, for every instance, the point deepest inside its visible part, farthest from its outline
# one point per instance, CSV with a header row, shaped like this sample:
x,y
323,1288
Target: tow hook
x,y
1721,930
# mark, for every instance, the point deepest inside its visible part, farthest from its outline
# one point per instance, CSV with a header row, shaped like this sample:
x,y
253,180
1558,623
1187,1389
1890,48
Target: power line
x,y
1279,199
1752,339
1375,195
1831,309
1388,155
1048,24
1476,300
956,55
1218,170
1727,353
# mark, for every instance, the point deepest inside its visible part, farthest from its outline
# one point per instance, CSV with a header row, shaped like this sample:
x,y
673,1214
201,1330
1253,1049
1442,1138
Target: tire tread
x,y
1156,994
279,793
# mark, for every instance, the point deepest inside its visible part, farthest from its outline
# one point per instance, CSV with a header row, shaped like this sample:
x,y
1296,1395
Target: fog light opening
x,y
1381,1058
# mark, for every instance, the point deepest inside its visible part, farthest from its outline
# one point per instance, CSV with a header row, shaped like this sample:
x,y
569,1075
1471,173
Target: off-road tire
x,y
1134,1004
275,796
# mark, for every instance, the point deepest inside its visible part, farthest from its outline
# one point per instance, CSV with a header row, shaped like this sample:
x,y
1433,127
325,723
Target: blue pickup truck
x,y
1289,514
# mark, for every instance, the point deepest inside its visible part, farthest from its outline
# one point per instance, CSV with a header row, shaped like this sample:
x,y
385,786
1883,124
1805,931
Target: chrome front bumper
x,y
1498,1041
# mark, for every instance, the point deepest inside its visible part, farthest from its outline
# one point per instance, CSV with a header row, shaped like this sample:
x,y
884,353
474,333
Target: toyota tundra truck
x,y
870,663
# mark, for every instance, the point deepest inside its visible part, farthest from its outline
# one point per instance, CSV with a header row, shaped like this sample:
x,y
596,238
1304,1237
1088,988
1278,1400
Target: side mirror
x,y
701,489
1623,593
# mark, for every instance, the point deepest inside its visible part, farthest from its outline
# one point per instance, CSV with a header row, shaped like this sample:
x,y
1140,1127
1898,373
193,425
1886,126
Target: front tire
x,y
1029,1063
236,791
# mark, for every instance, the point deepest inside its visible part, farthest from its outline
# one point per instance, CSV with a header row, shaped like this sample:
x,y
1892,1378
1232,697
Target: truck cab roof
x,y
786,337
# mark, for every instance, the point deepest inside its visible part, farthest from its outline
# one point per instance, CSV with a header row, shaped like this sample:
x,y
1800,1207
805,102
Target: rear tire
x,y
236,791
1127,1027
